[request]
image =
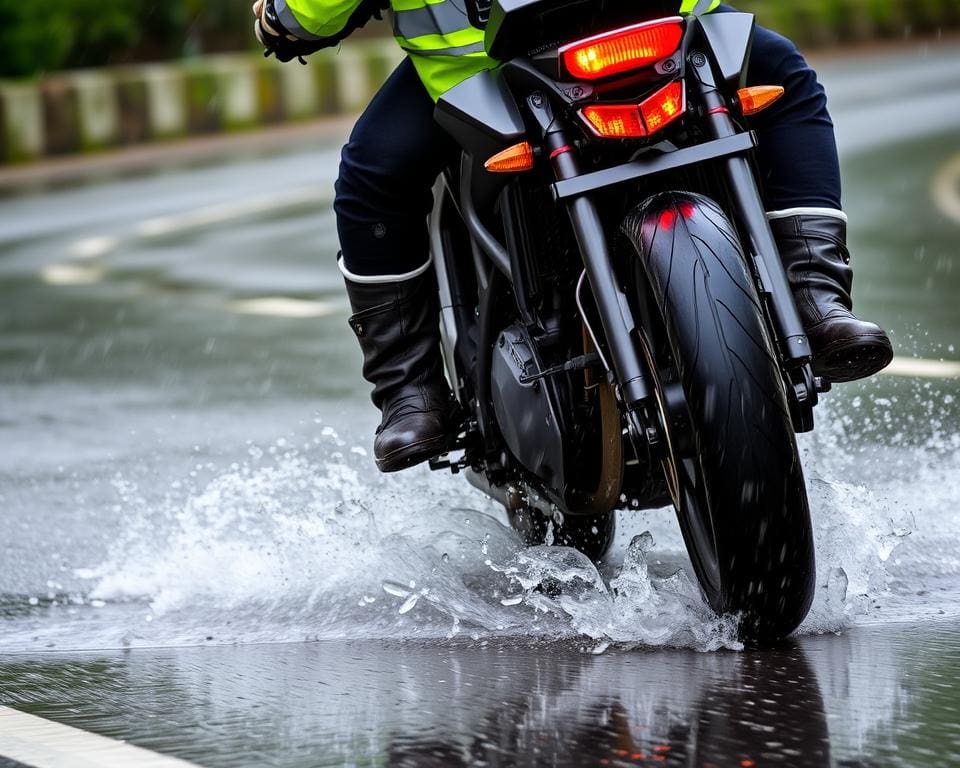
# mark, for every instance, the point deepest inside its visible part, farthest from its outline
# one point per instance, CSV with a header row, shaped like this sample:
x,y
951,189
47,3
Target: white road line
x,y
284,306
70,274
163,226
44,744
945,190
100,246
925,369
93,247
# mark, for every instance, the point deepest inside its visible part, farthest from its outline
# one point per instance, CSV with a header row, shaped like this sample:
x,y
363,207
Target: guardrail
x,y
89,110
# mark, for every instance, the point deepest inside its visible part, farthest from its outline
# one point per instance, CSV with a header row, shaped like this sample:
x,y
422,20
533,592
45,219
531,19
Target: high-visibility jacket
x,y
436,34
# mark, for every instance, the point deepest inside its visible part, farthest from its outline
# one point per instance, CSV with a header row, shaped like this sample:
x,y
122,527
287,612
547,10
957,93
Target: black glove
x,y
278,41
274,36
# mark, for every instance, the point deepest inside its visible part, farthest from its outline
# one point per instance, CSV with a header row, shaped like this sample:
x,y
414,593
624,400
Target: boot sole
x,y
411,455
853,359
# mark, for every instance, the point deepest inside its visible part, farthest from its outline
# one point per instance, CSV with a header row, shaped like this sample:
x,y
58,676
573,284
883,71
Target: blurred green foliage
x,y
56,34
42,35
827,22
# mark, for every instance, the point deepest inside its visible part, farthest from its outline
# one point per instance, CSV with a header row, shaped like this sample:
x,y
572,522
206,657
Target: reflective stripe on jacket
x,y
436,34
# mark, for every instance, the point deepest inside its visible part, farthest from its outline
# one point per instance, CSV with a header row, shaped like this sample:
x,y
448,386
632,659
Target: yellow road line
x,y
44,744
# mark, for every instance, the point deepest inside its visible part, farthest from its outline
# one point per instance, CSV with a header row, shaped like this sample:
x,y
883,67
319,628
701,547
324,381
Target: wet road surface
x,y
869,697
199,556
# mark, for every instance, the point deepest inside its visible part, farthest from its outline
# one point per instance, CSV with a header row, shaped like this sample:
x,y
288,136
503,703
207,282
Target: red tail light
x,y
634,121
623,49
665,106
616,121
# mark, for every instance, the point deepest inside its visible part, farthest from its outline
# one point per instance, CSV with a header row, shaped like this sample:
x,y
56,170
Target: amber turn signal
x,y
513,159
758,98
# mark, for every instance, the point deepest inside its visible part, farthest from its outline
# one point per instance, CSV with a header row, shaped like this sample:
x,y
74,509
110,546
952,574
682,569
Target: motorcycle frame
x,y
711,61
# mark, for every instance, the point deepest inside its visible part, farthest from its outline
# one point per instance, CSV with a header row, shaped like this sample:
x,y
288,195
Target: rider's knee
x,y
380,179
776,60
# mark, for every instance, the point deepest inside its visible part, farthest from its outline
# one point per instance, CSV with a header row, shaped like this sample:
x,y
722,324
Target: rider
x,y
396,151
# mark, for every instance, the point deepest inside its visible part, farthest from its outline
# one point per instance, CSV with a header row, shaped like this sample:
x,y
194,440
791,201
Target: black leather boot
x,y
397,324
813,248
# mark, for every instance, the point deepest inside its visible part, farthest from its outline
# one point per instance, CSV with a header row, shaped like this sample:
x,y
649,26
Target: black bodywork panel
x,y
525,411
483,118
481,114
730,37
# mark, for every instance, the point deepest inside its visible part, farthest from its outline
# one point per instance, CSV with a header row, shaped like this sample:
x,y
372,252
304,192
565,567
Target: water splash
x,y
636,608
290,549
297,543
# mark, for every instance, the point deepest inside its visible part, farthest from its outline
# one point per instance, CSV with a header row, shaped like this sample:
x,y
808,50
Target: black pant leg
x,y
798,149
387,170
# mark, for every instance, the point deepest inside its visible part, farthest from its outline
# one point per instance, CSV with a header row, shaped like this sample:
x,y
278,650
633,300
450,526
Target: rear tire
x,y
730,452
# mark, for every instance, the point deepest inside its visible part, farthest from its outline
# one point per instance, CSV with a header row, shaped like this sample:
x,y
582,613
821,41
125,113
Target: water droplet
x,y
601,648
408,604
397,590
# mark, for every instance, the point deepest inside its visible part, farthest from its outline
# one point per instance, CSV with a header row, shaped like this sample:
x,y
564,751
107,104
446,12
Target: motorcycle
x,y
616,323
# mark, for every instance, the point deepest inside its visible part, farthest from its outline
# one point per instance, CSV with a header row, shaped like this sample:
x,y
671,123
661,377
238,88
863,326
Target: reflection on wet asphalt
x,y
198,556
873,697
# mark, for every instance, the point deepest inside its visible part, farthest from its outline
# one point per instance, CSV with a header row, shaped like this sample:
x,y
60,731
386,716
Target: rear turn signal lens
x,y
634,121
758,98
513,159
623,49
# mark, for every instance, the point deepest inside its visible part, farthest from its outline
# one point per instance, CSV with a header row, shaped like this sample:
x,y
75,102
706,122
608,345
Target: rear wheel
x,y
727,447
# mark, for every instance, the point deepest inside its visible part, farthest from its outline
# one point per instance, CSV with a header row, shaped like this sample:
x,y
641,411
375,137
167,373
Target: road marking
x,y
93,247
945,190
70,274
44,744
282,306
926,369
164,226
100,246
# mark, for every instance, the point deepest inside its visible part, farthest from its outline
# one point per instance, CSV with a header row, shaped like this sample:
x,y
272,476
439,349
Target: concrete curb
x,y
73,112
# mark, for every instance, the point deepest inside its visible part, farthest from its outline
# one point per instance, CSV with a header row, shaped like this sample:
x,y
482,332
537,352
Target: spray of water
x,y
302,542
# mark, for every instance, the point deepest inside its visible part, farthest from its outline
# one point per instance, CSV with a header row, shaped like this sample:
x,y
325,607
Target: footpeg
x,y
575,364
443,463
